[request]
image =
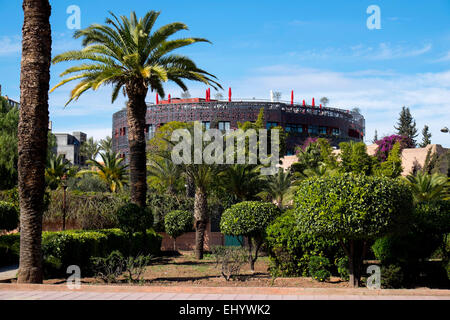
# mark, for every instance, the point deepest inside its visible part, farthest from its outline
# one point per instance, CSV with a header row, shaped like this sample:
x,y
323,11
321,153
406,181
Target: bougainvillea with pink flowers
x,y
386,144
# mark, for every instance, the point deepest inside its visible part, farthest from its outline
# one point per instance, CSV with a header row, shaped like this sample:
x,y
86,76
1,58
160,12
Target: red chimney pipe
x,y
157,99
229,94
292,97
170,99
209,94
313,103
304,103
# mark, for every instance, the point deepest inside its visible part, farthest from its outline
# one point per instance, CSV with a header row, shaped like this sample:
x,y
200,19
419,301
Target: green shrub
x,y
290,250
319,268
178,222
9,216
162,204
392,277
89,211
342,268
249,219
353,208
133,218
62,249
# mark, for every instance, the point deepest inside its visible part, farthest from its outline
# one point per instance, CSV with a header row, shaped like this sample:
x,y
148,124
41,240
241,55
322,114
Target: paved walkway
x,y
94,292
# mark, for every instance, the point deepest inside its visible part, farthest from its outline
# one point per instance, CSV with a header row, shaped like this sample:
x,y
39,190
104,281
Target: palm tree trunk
x,y
136,112
201,219
32,133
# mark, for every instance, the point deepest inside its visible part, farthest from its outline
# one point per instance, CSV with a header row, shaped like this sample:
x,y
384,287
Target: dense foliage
x,y
133,218
354,209
62,249
178,222
386,144
9,216
291,250
9,119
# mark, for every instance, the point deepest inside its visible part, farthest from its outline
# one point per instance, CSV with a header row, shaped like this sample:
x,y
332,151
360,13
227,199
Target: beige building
x,y
410,157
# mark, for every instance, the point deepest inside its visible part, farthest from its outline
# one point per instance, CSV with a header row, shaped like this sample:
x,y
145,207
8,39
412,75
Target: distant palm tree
x,y
90,149
111,171
278,187
426,187
32,134
165,174
241,180
106,144
127,54
56,169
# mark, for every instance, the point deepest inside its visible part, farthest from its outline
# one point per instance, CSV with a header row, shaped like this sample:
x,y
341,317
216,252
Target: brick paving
x,y
97,292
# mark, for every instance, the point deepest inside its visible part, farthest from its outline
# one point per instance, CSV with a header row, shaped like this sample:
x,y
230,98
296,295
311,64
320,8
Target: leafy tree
x,y
392,167
9,216
426,137
426,187
354,158
129,53
406,126
133,218
324,101
250,220
353,208
386,144
90,149
177,223
111,171
9,120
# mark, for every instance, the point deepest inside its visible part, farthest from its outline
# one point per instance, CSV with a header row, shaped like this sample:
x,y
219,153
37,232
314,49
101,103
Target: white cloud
x,y
444,58
10,45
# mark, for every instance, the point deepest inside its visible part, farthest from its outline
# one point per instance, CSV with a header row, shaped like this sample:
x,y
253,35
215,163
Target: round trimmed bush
x,y
248,219
133,218
9,216
178,222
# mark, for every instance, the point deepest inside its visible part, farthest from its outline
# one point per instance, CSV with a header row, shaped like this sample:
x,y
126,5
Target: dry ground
x,y
185,270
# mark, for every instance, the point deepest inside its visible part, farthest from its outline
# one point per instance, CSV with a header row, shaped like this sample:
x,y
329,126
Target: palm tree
x,y
32,134
111,171
90,149
165,174
56,169
106,144
427,187
127,54
241,180
278,187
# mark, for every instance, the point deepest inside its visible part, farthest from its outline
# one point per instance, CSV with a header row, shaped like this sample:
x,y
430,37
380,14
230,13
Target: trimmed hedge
x,y
65,248
178,222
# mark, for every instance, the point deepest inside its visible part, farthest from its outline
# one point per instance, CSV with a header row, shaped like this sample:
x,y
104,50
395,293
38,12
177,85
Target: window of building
x,y
322,130
206,125
224,125
294,128
313,129
336,132
270,125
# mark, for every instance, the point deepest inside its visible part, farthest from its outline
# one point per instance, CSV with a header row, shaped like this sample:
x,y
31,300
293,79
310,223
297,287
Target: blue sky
x,y
316,48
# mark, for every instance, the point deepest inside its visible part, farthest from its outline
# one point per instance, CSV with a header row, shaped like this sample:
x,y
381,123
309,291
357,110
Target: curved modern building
x,y
299,120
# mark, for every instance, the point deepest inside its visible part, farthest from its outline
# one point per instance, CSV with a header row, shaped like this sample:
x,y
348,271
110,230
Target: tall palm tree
x,y
278,187
90,149
111,170
127,53
32,134
426,187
